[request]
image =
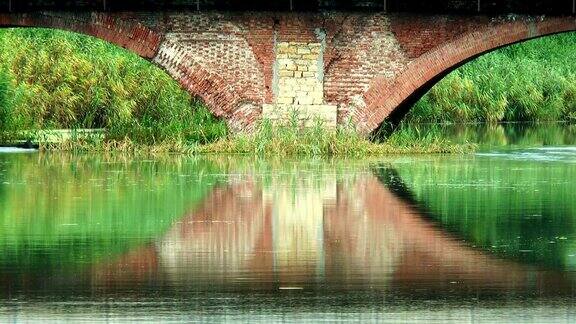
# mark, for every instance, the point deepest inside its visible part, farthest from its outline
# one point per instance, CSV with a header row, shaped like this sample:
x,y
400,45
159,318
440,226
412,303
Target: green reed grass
x,y
270,139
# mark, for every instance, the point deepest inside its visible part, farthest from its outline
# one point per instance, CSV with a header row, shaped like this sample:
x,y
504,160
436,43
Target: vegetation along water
x,y
101,86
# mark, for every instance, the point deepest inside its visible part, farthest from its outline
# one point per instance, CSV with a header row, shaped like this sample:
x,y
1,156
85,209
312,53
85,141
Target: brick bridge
x,y
337,65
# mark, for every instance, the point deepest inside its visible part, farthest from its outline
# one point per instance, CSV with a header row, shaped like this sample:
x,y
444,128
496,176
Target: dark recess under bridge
x,y
446,6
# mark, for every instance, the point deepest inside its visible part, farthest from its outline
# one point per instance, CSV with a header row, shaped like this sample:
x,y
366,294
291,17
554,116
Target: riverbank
x,y
96,86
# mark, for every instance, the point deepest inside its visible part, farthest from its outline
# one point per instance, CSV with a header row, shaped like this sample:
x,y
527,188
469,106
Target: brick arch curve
x,y
236,100
392,99
127,33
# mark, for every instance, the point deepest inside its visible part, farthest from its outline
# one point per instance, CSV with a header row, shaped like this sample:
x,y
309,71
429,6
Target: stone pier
x,y
299,86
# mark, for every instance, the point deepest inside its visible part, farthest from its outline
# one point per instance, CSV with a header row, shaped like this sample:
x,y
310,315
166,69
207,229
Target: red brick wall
x,y
373,63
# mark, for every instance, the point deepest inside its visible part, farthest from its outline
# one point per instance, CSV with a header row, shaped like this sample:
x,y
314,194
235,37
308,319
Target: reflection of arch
x,y
393,98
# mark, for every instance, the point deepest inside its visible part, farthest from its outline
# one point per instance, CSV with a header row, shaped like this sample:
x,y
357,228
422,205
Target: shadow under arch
x,y
388,102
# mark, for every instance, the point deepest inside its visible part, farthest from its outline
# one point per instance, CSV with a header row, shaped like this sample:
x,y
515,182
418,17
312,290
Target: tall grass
x,y
53,79
4,86
530,81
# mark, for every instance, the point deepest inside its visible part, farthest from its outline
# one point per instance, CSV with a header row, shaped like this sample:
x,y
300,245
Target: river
x,y
484,237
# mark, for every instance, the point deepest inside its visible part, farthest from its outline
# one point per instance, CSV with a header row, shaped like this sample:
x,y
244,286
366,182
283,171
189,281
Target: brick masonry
x,y
365,66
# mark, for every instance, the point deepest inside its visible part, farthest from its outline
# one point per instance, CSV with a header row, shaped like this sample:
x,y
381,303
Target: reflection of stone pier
x,y
298,220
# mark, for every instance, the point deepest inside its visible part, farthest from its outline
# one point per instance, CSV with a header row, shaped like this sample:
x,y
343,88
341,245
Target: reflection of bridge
x,y
352,234
366,66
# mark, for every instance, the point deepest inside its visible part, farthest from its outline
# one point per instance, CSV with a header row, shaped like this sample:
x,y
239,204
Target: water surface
x,y
484,237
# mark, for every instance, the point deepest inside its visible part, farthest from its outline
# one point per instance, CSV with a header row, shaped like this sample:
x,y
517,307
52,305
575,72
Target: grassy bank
x,y
531,81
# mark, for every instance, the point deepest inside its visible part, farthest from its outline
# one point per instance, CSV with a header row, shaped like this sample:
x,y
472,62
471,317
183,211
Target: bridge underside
x,y
414,6
333,66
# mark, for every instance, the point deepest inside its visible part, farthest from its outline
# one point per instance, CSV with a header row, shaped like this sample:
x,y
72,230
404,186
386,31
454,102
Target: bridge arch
x,y
391,99
235,100
128,34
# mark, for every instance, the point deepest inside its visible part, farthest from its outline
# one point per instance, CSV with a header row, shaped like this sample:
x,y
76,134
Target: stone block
x,y
285,100
286,92
290,67
311,57
288,82
316,50
316,94
313,68
285,61
310,81
302,68
305,100
303,50
309,115
318,101
284,48
286,74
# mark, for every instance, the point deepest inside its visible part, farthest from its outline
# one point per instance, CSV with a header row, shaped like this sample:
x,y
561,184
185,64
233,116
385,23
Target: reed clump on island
x,y
290,139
